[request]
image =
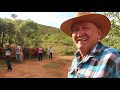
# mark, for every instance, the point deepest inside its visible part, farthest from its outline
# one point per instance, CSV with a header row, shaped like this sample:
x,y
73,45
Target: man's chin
x,y
82,48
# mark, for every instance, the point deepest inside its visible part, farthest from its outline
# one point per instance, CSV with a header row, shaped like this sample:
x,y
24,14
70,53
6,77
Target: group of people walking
x,y
18,50
40,53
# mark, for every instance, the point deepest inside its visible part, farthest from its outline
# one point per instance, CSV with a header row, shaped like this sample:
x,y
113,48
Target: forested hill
x,y
30,34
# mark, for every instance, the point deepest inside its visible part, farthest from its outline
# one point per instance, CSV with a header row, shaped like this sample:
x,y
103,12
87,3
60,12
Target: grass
x,y
56,64
62,60
2,62
51,65
54,67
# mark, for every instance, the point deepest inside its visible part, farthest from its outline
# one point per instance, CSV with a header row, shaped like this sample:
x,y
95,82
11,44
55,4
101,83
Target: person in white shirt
x,y
8,56
18,51
50,53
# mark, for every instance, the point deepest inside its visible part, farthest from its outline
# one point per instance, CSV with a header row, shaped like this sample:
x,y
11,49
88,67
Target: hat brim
x,y
100,20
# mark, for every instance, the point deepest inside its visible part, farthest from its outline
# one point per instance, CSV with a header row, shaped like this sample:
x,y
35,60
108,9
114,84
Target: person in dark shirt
x,y
8,56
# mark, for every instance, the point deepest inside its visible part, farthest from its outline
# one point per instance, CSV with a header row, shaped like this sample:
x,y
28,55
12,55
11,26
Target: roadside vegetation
x,y
30,34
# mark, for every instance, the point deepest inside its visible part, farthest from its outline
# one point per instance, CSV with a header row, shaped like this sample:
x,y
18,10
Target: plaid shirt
x,y
101,62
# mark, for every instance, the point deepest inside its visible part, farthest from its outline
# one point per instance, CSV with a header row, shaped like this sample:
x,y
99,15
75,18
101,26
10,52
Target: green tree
x,y
29,32
13,16
112,39
114,18
6,30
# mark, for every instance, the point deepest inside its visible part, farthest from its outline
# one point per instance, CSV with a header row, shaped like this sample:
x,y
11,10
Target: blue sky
x,y
53,19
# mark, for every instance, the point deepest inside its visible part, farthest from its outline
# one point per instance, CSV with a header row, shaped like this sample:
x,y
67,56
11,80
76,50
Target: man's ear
x,y
99,33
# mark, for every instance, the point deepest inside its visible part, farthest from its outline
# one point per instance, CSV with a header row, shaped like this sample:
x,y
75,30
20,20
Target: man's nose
x,y
80,33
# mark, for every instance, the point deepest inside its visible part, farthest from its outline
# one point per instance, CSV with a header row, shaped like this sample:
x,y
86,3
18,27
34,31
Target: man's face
x,y
85,35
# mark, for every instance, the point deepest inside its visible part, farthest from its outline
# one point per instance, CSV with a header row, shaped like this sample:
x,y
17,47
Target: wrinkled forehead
x,y
84,23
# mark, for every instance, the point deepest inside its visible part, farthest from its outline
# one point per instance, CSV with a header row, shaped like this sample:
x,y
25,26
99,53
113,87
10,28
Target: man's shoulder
x,y
108,49
112,51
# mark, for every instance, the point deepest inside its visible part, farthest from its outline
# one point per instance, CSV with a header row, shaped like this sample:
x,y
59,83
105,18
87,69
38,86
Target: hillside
x,y
63,44
54,37
33,35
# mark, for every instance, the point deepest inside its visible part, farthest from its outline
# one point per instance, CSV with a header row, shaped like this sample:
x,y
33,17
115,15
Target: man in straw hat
x,y
92,60
8,56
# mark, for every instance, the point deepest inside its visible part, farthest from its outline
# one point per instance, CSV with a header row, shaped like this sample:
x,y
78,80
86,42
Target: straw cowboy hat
x,y
100,20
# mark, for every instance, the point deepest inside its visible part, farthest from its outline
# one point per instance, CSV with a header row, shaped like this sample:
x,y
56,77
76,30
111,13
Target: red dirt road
x,y
36,69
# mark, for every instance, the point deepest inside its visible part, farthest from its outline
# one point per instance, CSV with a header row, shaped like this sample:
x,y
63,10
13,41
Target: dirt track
x,y
36,69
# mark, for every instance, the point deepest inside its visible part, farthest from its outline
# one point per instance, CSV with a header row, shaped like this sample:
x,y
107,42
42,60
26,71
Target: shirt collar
x,y
95,51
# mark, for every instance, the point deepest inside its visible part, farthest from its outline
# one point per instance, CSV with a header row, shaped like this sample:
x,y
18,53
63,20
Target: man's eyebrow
x,y
74,27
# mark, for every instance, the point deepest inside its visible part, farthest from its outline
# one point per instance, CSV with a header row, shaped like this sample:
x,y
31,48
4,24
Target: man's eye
x,y
75,29
85,27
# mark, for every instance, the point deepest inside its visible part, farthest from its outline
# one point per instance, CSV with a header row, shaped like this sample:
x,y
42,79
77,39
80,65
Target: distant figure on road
x,y
18,52
40,54
8,56
50,53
